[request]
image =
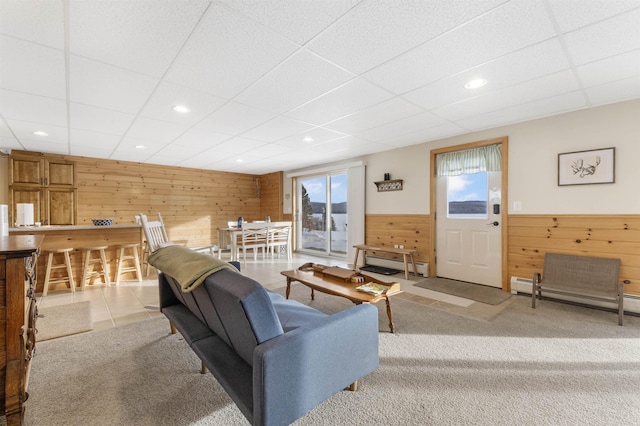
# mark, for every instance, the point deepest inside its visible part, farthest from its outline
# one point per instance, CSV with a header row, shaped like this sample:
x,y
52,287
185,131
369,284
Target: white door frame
x,y
504,141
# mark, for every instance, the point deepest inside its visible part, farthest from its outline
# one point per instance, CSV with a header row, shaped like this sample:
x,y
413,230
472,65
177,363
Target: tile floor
x,y
133,301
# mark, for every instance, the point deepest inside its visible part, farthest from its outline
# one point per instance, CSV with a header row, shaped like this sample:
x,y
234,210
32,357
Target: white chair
x,y
279,237
154,232
253,236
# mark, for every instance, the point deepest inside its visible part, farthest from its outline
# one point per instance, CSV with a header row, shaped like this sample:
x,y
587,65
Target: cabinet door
x,y
29,195
26,171
61,206
60,173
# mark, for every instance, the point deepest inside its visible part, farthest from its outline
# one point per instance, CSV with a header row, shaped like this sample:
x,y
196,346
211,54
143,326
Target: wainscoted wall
x,y
529,237
387,230
614,236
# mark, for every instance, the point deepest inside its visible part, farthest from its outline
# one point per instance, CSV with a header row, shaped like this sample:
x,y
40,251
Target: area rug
x,y
63,320
557,364
477,292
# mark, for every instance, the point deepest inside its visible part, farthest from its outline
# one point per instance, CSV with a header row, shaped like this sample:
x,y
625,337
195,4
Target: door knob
x,y
495,223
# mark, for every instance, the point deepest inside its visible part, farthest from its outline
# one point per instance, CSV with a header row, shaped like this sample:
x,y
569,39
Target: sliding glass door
x,y
322,214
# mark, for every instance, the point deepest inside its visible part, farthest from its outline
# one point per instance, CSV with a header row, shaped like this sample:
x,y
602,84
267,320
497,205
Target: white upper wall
x,y
533,161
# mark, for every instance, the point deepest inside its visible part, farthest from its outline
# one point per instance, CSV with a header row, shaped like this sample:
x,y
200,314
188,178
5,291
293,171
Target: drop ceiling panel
x,y
441,131
167,95
570,16
34,109
92,144
297,20
36,21
24,132
202,137
346,99
505,29
109,87
628,88
610,69
32,68
299,79
613,36
369,35
382,113
162,132
234,118
276,129
227,52
401,127
315,136
238,145
84,117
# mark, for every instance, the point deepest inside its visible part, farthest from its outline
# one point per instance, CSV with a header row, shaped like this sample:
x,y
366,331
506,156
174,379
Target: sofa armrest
x,y
296,371
167,298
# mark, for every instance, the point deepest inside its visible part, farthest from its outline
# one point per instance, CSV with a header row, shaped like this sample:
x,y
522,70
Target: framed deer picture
x,y
587,167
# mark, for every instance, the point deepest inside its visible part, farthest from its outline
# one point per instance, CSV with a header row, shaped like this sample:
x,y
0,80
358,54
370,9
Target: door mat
x,y
379,270
63,320
476,292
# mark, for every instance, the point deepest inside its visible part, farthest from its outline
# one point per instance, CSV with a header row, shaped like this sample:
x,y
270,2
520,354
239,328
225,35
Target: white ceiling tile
x,y
297,80
573,14
238,145
377,115
317,135
228,52
540,88
401,127
32,68
368,35
297,20
529,63
38,21
505,29
201,137
84,117
346,99
614,36
150,147
442,131
24,132
146,129
204,160
529,111
31,108
143,36
611,69
10,143
234,118
92,144
167,95
108,87
276,129
617,91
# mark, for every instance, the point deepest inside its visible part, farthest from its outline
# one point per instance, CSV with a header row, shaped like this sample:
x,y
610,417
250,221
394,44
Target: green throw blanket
x,y
188,267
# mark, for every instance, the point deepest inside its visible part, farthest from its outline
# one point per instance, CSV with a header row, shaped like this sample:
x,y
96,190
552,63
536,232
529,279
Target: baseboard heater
x,y
423,268
523,285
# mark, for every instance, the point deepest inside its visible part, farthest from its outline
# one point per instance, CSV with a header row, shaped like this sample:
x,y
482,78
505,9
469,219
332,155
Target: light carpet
x,y
555,365
477,292
63,320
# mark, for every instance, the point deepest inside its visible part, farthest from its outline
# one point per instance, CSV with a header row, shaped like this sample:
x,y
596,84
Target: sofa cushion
x,y
293,314
245,311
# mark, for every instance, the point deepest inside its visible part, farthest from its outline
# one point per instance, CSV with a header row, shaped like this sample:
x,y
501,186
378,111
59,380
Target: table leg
x,y
355,261
406,267
288,288
390,315
313,295
413,261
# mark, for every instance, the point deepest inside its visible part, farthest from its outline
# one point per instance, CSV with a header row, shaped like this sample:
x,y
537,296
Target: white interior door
x,y
468,229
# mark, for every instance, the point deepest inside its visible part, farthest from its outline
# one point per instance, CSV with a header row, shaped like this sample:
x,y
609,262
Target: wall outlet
x,y
517,206
401,246
395,246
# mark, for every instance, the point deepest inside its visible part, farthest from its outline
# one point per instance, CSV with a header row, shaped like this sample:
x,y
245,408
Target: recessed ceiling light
x,y
474,84
307,139
40,133
181,108
139,146
239,160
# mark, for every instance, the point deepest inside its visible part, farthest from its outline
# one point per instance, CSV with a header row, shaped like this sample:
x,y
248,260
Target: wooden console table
x,y
18,260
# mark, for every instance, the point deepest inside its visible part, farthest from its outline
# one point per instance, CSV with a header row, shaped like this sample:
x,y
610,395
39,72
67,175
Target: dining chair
x,y
253,236
154,232
279,236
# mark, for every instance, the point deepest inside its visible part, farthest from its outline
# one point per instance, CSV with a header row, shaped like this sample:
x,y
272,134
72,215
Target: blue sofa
x,y
276,358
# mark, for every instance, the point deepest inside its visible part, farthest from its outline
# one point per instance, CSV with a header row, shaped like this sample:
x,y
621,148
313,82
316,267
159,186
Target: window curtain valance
x,y
474,160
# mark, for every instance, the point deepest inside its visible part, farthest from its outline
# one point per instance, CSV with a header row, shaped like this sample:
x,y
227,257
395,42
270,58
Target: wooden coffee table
x,y
342,288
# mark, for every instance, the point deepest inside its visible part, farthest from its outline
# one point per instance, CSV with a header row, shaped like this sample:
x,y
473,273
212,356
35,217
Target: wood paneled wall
x,y
612,236
194,203
410,231
529,237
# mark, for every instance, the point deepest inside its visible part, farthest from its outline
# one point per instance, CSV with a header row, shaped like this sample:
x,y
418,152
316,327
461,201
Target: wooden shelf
x,y
389,185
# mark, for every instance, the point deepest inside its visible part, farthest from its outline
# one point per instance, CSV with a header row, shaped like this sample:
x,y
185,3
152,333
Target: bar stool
x,y
123,257
102,260
65,265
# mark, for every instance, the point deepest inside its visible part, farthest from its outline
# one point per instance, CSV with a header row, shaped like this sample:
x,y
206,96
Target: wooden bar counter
x,y
77,237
